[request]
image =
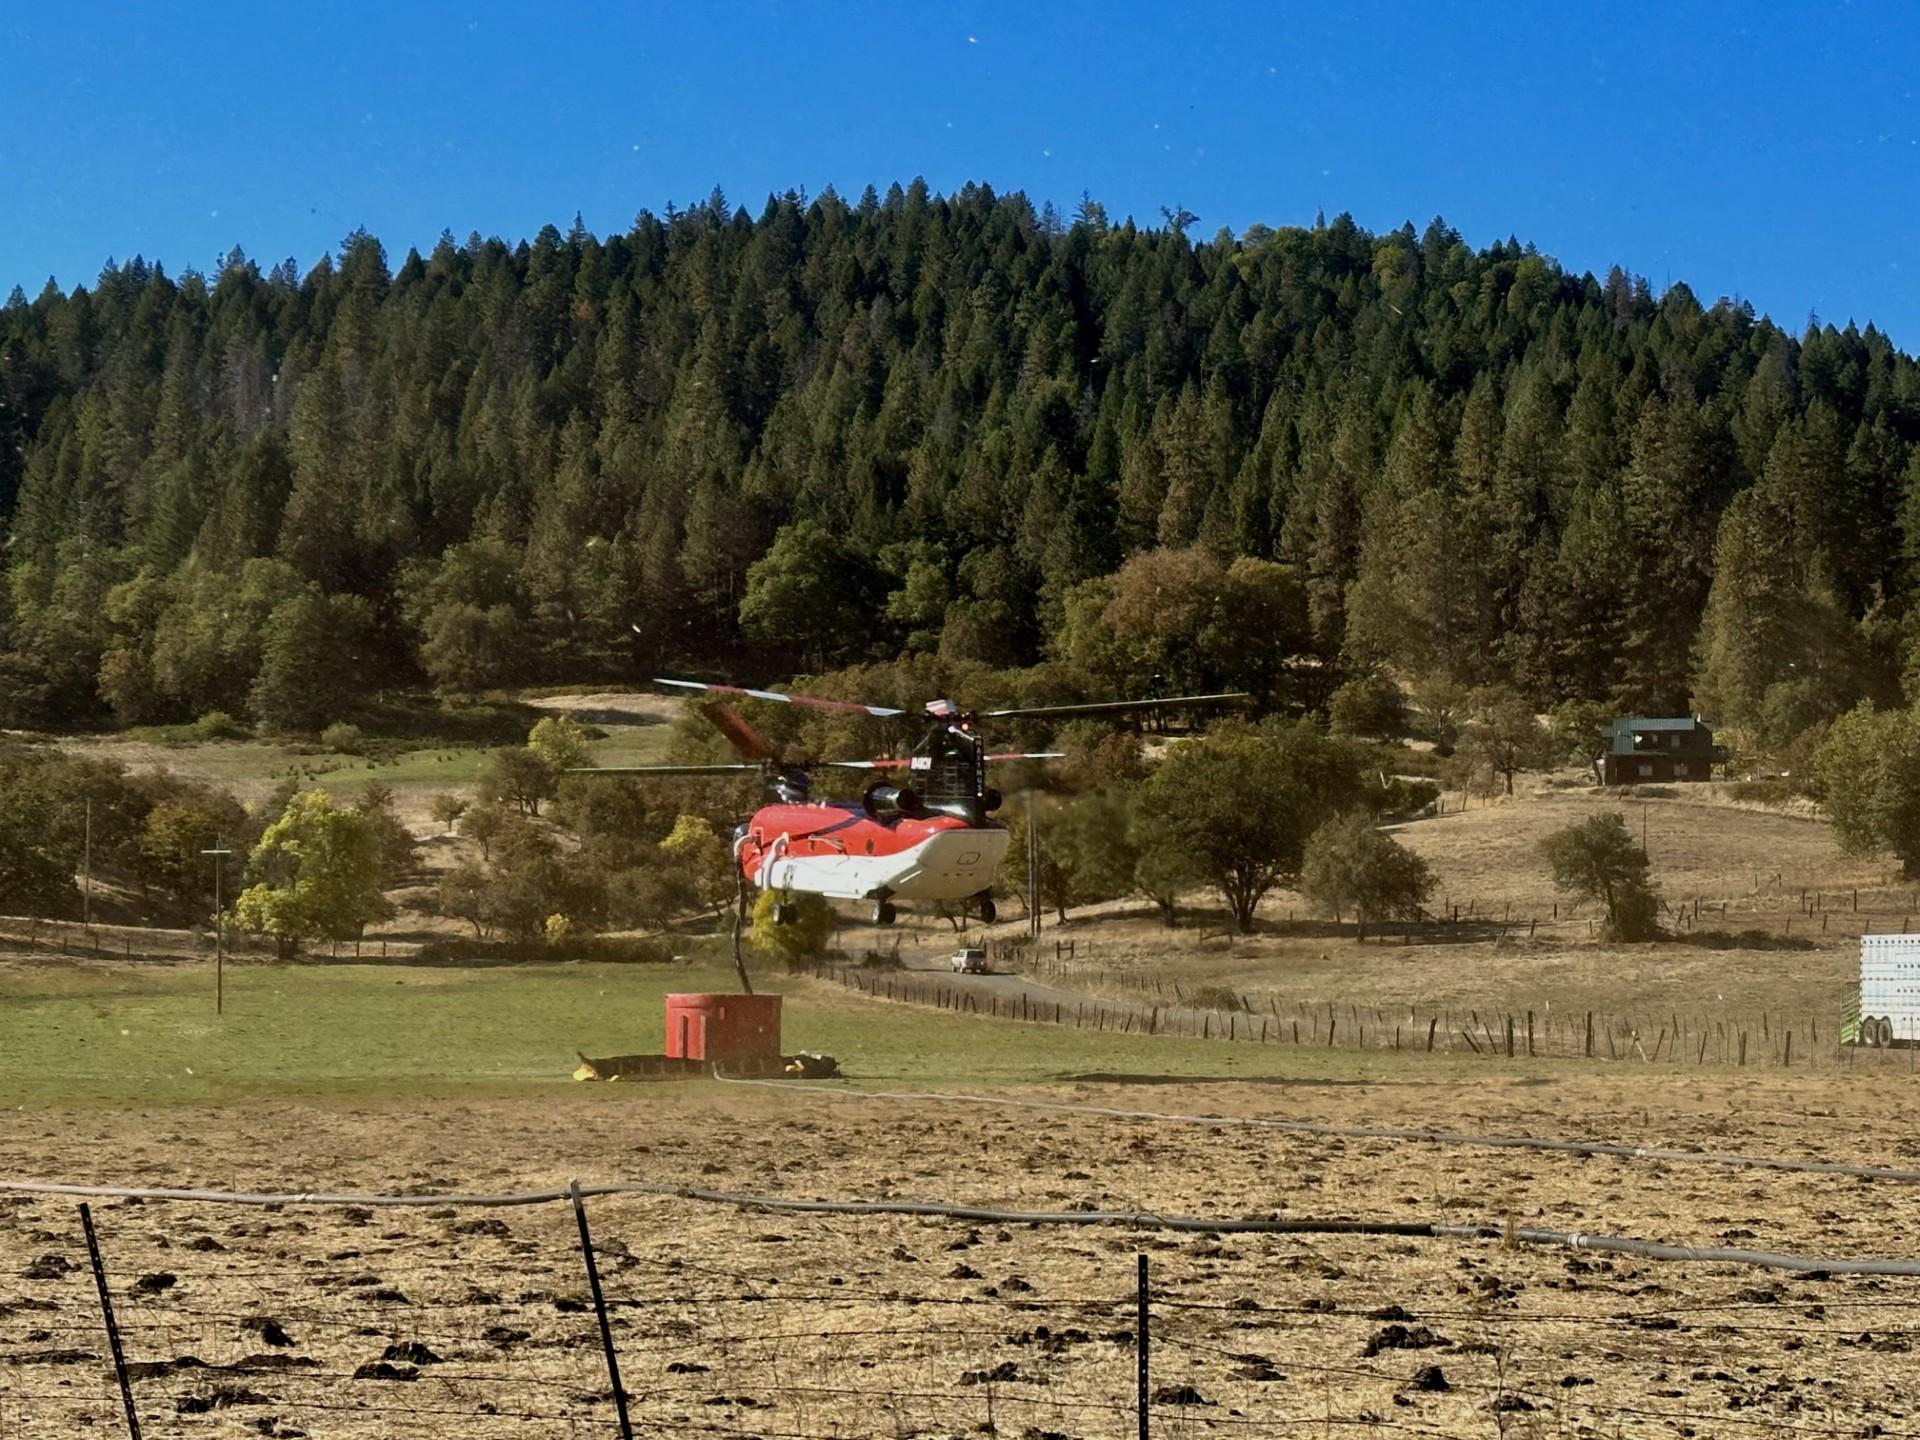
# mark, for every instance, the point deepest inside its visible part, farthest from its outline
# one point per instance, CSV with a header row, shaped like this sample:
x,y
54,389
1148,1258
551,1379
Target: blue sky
x,y
1765,151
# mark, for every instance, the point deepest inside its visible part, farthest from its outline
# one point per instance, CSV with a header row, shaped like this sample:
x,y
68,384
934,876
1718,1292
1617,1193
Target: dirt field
x,y
732,1322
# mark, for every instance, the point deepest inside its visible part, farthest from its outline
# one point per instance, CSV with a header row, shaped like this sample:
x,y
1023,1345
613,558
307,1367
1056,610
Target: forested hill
x,y
937,417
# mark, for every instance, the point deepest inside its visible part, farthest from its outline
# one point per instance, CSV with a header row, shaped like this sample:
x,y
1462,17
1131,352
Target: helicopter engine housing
x,y
886,802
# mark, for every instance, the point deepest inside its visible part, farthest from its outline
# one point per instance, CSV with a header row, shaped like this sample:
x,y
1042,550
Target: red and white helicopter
x,y
932,838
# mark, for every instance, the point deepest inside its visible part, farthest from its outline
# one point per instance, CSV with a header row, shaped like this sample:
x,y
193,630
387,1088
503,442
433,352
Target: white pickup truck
x,y
970,961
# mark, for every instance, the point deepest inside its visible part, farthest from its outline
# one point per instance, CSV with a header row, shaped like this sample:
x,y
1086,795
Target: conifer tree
x,y
985,406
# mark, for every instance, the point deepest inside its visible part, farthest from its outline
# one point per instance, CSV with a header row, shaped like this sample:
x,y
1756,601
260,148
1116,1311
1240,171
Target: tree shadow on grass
x,y
1394,932
422,717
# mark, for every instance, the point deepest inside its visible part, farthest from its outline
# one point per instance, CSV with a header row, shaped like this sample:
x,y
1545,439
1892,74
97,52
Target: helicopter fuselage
x,y
844,852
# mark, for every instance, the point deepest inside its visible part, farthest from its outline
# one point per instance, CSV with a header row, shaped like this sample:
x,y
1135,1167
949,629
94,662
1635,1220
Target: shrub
x,y
1368,705
803,938
1748,940
561,741
1400,796
218,725
1760,792
1398,759
347,739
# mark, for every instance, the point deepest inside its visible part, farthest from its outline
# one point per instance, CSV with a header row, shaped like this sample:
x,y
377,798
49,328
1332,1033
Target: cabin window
x,y
1679,767
1646,770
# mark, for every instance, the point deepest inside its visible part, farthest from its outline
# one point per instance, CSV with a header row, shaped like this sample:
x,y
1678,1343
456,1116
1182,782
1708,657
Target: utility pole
x,y
1033,873
219,929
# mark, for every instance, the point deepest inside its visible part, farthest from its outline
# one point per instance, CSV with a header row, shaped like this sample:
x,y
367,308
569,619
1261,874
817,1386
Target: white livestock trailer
x,y
1889,1012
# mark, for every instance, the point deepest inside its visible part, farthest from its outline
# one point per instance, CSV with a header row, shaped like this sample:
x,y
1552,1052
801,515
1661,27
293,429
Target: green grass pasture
x,y
148,1033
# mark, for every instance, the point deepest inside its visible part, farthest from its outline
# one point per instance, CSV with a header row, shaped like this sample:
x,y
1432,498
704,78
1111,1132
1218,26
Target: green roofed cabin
x,y
1643,751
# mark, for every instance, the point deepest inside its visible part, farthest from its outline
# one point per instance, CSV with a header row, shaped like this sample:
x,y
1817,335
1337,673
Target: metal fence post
x,y
113,1330
1140,1345
600,1308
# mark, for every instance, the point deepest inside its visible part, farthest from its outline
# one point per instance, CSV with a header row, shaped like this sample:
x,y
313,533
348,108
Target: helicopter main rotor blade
x,y
747,742
740,769
1117,707
846,707
903,762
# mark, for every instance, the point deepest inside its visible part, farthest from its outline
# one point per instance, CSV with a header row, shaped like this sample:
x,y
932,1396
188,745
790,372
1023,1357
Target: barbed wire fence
x,y
1730,1036
74,939
334,1319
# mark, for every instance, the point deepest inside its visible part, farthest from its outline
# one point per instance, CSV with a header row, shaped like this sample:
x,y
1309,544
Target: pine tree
x,y
985,405
310,660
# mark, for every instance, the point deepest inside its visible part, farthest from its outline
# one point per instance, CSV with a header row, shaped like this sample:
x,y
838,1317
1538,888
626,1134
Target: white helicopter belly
x,y
951,865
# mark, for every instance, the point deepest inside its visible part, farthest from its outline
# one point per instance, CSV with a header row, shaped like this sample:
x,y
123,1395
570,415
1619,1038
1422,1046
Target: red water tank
x,y
726,1029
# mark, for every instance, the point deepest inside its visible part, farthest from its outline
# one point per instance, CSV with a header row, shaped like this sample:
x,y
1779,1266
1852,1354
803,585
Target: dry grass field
x,y
633,727
1518,945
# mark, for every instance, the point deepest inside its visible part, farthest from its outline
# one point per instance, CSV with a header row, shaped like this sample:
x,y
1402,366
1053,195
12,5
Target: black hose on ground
x,y
988,1215
1388,1132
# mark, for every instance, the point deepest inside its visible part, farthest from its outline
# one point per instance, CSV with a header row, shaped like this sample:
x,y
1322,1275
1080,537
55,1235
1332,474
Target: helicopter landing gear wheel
x,y
785,912
988,910
884,913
